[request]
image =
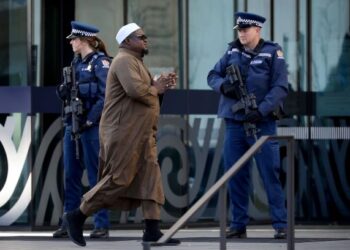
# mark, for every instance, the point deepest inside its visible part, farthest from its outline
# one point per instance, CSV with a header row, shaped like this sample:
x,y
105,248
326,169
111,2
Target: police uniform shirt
x,y
264,72
91,74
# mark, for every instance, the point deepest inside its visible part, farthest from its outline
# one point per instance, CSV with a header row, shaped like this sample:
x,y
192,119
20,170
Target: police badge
x,y
279,53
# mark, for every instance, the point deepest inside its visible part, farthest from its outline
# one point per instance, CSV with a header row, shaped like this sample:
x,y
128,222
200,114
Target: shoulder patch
x,y
279,53
105,63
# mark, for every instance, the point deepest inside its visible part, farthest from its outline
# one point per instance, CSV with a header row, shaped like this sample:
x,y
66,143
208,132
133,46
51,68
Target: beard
x,y
144,52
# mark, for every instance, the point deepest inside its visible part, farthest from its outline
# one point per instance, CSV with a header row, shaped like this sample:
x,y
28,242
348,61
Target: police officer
x,y
263,70
91,64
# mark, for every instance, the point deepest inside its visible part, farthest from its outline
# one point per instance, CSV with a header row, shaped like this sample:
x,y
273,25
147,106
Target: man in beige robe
x,y
129,171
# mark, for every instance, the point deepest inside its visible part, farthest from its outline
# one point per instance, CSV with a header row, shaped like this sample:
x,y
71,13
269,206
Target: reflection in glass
x,y
331,61
159,20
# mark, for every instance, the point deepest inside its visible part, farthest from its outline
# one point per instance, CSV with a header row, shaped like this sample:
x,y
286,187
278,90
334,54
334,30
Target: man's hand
x,y
165,82
253,116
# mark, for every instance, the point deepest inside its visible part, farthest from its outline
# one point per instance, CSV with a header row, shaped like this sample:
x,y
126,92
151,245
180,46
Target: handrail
x,y
220,184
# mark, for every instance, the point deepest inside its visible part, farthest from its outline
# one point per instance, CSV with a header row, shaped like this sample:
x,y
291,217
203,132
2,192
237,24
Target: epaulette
x,y
270,42
104,55
273,44
97,55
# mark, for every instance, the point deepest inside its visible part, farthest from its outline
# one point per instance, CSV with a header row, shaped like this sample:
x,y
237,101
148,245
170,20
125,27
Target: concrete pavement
x,y
259,237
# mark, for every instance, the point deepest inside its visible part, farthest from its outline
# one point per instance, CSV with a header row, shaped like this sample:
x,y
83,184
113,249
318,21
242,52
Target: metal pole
x,y
290,194
221,184
215,188
146,246
222,202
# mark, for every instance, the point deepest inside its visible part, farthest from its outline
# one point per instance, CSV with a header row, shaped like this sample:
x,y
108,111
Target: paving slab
x,y
323,238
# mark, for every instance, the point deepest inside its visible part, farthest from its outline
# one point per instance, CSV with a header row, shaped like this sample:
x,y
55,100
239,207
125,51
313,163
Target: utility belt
x,y
273,116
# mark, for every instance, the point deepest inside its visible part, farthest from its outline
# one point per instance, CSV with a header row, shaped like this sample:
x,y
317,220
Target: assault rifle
x,y
246,102
75,105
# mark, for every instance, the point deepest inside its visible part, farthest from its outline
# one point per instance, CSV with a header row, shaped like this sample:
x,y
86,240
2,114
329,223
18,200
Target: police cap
x,y
246,20
81,30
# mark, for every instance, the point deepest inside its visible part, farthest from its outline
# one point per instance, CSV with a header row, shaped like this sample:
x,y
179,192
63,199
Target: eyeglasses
x,y
141,37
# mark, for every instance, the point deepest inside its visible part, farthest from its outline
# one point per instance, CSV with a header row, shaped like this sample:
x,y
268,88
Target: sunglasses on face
x,y
141,37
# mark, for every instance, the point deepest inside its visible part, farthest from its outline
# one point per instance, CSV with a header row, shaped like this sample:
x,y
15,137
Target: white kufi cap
x,y
125,31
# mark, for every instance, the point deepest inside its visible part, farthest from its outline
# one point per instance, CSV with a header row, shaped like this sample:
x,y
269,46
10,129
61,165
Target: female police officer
x,y
91,64
263,70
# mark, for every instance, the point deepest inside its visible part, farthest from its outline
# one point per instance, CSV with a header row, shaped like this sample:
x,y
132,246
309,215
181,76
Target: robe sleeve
x,y
130,73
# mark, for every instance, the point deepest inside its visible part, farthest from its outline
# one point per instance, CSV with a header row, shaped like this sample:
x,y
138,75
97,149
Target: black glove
x,y
253,116
85,126
230,90
62,91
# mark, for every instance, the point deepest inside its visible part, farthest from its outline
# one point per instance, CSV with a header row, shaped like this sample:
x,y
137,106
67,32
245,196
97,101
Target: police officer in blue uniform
x,y
263,71
91,64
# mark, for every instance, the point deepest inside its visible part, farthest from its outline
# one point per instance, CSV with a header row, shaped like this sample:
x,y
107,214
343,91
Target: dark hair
x,y
96,43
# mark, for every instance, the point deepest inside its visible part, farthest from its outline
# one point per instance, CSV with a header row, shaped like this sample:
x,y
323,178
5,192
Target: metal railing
x,y
220,184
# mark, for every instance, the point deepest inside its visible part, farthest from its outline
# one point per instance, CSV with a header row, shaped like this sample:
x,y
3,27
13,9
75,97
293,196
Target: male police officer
x,y
263,70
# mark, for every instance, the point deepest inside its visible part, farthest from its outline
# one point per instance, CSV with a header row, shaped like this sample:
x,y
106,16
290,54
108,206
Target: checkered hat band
x,y
82,32
248,21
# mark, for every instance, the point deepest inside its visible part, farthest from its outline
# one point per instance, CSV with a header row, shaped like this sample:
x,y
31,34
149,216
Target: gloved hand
x,y
229,90
85,126
253,116
62,91
89,123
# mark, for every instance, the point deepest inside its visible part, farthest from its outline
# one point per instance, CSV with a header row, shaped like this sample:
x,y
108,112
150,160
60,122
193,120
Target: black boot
x,y
236,233
74,221
61,232
152,233
99,233
280,233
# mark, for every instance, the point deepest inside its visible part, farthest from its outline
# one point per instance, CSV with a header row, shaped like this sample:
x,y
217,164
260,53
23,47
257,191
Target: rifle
x,y
75,107
247,101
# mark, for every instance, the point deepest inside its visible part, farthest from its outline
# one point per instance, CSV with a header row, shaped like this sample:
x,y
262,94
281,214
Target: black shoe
x,y
280,233
152,233
154,237
99,233
236,233
60,233
74,221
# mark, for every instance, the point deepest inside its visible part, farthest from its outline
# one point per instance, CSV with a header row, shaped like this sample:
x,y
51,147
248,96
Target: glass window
x,y
262,7
285,34
302,45
210,30
37,43
13,72
331,57
159,20
108,17
13,44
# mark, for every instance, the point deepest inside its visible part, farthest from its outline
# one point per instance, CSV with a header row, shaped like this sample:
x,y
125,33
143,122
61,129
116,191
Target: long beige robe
x,y
129,170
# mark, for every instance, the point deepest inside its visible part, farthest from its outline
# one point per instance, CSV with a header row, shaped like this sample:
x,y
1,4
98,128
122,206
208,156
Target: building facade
x,y
188,37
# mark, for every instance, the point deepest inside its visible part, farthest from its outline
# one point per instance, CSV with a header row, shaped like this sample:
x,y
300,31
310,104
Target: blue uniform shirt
x,y
90,76
264,72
